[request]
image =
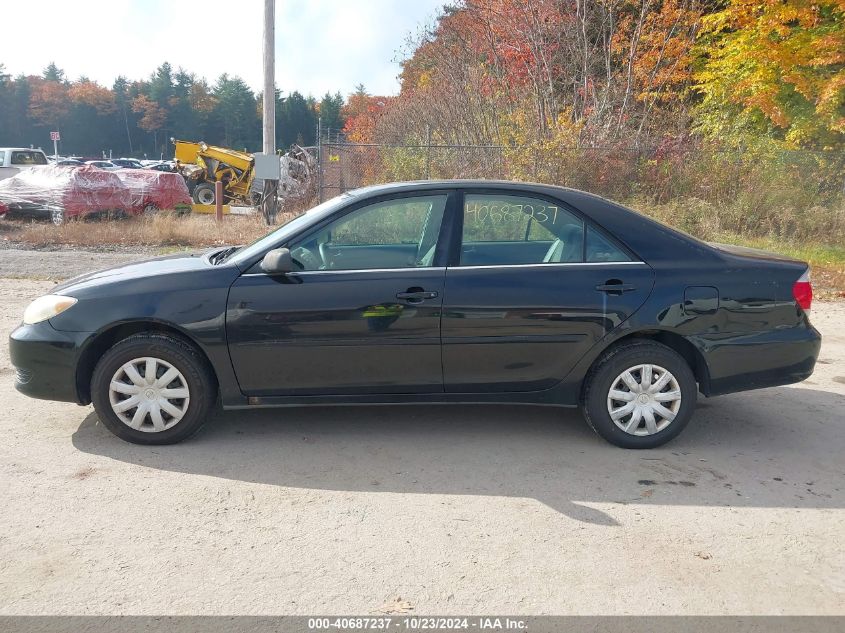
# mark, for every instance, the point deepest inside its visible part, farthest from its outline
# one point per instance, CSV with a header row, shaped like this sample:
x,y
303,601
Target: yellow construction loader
x,y
202,165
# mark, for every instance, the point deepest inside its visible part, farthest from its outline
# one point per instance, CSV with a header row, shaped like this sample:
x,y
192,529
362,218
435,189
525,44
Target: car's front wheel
x,y
639,395
152,389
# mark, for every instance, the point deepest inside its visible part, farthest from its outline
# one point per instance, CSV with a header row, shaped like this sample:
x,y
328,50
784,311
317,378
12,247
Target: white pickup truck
x,y
13,159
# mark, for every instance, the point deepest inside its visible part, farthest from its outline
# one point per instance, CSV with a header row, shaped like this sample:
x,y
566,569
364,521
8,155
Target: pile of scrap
x,y
297,181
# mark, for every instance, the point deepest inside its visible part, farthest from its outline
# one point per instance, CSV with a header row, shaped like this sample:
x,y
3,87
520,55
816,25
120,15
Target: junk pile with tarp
x,y
64,192
151,190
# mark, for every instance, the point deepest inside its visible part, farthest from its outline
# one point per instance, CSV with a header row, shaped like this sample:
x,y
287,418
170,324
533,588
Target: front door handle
x,y
415,296
615,288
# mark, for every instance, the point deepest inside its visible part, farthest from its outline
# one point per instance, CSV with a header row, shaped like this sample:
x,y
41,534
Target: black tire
x,y
198,377
614,362
204,193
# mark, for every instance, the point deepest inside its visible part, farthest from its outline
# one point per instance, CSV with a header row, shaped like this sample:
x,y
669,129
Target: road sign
x,y
55,137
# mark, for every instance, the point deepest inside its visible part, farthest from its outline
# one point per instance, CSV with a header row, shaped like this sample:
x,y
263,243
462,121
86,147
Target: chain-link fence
x,y
662,173
345,166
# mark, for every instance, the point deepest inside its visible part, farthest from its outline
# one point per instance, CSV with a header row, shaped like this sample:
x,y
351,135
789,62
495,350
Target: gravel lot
x,y
447,510
56,265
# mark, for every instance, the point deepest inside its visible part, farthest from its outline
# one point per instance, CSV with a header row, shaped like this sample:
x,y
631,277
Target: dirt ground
x,y
439,510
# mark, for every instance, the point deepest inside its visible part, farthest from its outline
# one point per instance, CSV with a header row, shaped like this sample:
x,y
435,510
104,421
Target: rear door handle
x,y
416,297
615,289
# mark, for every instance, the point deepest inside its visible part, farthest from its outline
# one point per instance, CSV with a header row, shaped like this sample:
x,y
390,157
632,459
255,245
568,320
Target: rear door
x,y
532,288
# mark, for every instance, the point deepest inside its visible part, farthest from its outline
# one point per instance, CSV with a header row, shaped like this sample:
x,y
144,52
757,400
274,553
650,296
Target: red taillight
x,y
802,290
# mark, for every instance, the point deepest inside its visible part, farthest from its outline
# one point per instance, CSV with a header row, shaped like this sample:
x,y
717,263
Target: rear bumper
x,y
45,361
757,360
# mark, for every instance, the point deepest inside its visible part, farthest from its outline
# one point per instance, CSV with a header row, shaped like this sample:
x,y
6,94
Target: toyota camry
x,y
428,292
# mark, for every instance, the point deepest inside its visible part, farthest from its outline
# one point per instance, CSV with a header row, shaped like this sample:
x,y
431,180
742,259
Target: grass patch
x,y
160,230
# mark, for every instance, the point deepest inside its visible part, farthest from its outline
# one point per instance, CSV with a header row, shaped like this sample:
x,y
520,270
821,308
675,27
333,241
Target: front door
x,y
535,287
362,316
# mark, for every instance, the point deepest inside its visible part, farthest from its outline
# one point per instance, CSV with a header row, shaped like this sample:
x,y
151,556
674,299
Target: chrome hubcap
x,y
644,399
149,394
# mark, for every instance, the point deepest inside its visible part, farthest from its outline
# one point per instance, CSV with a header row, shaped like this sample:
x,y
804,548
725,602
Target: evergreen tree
x,y
120,88
53,73
236,113
7,91
296,121
330,106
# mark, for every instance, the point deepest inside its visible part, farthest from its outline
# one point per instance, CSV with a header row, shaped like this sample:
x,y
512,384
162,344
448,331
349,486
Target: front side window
x,y
398,233
28,158
505,229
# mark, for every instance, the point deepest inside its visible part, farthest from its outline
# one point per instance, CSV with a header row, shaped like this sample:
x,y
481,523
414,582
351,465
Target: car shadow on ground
x,y
772,448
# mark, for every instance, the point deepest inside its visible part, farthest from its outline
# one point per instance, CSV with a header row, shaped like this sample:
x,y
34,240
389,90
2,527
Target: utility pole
x,y
268,204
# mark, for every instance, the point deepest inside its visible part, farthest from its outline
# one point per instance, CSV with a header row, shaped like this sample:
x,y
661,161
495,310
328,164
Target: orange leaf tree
x,y
48,103
92,94
775,67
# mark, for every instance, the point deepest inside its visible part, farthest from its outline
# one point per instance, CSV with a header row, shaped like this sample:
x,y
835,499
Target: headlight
x,y
46,307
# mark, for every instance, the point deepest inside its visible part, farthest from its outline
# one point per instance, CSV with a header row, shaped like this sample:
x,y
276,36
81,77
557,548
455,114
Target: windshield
x,y
260,246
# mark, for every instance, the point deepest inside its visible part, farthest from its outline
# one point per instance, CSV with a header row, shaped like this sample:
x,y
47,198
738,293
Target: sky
x,y
321,45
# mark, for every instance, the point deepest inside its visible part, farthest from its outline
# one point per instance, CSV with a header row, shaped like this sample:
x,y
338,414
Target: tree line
x,y
138,118
550,74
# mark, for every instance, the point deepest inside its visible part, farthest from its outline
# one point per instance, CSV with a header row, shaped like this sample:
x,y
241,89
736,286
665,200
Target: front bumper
x,y
45,361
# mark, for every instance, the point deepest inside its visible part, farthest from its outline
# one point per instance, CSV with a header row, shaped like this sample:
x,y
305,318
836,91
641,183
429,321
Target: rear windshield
x,y
28,158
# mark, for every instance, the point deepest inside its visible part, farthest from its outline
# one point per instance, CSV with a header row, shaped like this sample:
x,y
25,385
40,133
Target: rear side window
x,y
601,249
28,158
504,229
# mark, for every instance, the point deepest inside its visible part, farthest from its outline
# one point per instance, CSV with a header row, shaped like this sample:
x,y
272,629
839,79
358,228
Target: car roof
x,y
456,183
21,149
556,191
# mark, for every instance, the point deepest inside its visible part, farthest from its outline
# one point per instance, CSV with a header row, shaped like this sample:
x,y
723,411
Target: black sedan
x,y
453,291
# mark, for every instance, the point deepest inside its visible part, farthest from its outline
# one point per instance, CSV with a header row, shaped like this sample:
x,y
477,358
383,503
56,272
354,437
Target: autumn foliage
x,y
521,71
361,114
778,64
626,73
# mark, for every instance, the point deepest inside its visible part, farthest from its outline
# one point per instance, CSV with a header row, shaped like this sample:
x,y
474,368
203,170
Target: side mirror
x,y
278,262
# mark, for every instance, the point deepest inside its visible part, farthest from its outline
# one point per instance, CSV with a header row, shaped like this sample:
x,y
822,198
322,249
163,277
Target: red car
x,y
67,192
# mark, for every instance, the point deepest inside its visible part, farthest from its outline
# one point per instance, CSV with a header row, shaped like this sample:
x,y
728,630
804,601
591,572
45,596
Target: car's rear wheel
x,y
152,389
639,395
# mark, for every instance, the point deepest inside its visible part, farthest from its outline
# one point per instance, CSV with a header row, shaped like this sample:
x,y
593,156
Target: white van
x,y
13,159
